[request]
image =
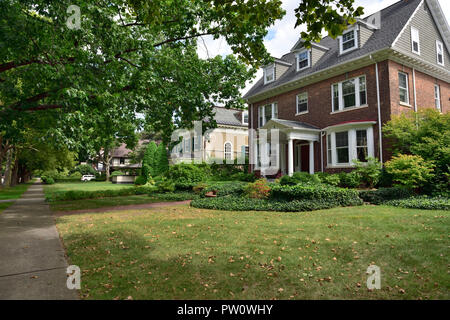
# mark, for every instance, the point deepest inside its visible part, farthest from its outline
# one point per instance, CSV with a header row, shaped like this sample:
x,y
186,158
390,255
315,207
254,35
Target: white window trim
x,y
341,96
243,117
261,112
341,40
439,43
296,105
231,150
407,89
351,144
309,60
265,73
437,90
412,40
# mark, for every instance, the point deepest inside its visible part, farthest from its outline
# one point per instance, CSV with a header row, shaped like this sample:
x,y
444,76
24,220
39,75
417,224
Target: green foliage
x,y
370,171
225,188
117,173
76,175
140,180
198,188
349,180
186,175
330,179
410,171
384,194
165,185
149,161
425,134
47,180
315,192
257,190
423,202
174,196
162,160
84,169
233,203
79,194
299,177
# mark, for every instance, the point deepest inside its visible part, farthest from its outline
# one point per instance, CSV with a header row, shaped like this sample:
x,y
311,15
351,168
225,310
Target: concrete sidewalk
x,y
32,260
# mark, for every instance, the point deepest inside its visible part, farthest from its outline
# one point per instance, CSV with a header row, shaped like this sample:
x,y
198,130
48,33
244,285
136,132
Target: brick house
x,y
329,102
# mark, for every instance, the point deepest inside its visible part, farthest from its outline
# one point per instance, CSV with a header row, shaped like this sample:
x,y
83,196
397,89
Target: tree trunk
x,y
107,164
9,160
15,171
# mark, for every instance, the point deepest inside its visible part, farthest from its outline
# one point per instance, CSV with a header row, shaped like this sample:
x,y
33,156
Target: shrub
x,y
410,171
117,173
258,189
242,176
140,180
330,179
186,175
424,203
349,180
385,180
47,180
198,188
315,192
161,161
370,171
76,175
84,169
384,194
225,189
175,196
299,177
232,203
165,185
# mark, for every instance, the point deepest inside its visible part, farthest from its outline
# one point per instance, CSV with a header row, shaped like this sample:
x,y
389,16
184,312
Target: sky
x,y
282,36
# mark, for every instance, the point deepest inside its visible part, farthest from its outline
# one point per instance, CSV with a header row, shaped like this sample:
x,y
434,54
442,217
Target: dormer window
x,y
349,40
303,60
269,74
415,41
245,117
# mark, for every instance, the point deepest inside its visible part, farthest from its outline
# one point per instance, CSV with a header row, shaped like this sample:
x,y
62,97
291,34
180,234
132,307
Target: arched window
x,y
228,154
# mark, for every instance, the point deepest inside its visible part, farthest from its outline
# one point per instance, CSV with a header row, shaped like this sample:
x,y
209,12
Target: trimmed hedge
x,y
384,194
233,203
175,196
316,192
225,189
424,203
79,194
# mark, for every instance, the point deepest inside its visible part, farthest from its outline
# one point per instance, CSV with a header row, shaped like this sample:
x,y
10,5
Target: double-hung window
x,y
329,150
228,155
437,97
269,74
349,94
439,53
342,147
303,60
267,112
302,103
361,145
349,40
403,87
245,117
415,40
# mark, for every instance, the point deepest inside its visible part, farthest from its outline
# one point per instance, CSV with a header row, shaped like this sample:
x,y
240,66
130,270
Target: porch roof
x,y
290,124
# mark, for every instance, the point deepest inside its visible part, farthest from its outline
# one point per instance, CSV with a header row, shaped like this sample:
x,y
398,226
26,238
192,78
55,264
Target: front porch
x,y
286,147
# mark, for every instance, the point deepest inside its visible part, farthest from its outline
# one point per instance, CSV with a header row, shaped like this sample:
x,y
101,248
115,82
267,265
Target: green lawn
x,y
13,192
4,205
187,253
84,186
100,202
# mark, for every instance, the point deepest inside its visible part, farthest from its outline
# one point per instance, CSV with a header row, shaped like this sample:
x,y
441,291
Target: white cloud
x,y
283,36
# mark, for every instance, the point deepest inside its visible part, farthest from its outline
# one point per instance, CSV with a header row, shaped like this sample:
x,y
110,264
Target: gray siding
x,y
364,35
279,70
428,34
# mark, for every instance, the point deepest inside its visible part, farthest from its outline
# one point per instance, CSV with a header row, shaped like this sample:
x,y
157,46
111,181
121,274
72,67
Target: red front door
x,y
304,152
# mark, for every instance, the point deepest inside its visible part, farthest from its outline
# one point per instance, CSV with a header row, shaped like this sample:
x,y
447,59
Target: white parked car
x,y
87,177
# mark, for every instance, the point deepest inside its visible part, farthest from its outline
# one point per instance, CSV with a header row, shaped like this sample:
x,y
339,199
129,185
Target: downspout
x,y
380,137
414,88
250,142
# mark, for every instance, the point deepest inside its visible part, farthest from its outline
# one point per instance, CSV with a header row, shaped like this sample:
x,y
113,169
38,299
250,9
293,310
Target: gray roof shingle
x,y
393,19
230,117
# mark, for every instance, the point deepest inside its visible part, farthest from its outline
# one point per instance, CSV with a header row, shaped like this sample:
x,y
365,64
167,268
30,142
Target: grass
x,y
14,192
4,205
101,202
84,186
186,253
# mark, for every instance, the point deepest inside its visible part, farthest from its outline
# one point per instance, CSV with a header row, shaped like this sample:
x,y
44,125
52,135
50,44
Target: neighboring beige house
x,y
229,141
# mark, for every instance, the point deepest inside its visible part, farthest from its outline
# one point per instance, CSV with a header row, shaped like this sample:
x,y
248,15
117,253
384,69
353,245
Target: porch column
x,y
311,157
290,156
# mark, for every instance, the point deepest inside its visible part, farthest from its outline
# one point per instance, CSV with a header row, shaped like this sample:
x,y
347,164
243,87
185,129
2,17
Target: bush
x,y
84,169
140,180
47,180
76,175
410,171
299,177
175,196
330,179
349,180
242,176
370,171
424,203
198,188
258,189
225,188
117,173
384,194
385,180
232,203
316,192
186,175
165,185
